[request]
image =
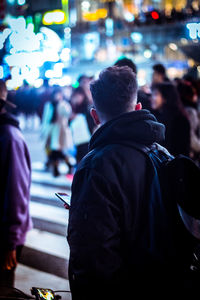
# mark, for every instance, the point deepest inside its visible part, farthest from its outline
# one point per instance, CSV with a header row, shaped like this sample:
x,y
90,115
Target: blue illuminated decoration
x,y
136,37
194,30
109,27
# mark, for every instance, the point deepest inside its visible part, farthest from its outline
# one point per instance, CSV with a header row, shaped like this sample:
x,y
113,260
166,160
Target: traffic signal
x,y
155,15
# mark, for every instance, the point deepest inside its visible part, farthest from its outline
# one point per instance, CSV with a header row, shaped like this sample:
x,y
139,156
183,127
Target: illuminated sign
x,y
57,16
100,13
194,30
109,27
65,8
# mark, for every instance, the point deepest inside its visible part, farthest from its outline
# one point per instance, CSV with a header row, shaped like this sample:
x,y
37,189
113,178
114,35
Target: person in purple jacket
x,y
15,179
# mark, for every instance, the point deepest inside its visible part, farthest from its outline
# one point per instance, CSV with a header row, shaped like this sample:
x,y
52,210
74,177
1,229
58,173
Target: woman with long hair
x,y
189,98
168,109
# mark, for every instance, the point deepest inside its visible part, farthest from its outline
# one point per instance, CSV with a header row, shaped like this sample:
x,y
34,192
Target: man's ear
x,y
94,115
138,106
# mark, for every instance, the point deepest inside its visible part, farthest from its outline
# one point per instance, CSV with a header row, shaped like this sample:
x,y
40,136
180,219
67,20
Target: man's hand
x,y
10,260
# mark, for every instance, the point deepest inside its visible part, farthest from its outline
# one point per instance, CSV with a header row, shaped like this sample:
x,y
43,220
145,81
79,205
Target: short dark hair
x,y
159,68
115,91
126,62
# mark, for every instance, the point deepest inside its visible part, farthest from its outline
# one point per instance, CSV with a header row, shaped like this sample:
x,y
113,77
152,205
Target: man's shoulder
x,y
110,156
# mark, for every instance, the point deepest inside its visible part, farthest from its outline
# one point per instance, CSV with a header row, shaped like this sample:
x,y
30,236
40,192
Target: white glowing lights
x,y
56,72
173,47
65,54
136,37
109,27
194,30
21,2
91,44
1,72
147,53
85,5
3,36
29,51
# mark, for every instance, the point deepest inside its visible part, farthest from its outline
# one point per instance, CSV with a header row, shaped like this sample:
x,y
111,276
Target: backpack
x,y
177,180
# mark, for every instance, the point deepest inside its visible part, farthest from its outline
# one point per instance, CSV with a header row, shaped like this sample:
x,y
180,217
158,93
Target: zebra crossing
x,y
44,261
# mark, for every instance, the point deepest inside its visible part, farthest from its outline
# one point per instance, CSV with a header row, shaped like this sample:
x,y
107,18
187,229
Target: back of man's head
x,y
126,62
115,91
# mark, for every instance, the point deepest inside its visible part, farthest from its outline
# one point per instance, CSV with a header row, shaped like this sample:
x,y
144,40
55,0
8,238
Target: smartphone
x,y
65,198
43,294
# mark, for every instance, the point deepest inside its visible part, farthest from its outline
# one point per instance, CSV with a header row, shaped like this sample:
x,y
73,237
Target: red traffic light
x,y
155,15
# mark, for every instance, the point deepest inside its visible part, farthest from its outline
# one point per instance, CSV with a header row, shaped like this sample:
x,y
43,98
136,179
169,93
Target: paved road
x,y
44,261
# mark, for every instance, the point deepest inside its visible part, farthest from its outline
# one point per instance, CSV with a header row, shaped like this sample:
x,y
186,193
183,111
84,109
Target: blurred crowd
x,y
66,124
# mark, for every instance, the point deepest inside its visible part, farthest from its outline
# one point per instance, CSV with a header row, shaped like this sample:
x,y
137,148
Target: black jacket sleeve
x,y
93,236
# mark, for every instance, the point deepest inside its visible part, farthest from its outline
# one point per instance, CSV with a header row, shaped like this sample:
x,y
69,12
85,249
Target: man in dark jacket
x,y
15,179
113,254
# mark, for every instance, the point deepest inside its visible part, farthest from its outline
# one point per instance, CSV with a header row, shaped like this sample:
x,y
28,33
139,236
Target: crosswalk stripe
x,y
49,213
48,243
46,248
46,192
47,179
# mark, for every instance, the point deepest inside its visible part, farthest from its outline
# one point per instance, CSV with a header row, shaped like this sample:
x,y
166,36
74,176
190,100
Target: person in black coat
x,y
168,109
111,220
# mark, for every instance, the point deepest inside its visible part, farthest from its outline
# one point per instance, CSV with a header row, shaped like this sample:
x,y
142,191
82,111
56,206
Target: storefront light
x,y
173,47
54,17
194,30
147,53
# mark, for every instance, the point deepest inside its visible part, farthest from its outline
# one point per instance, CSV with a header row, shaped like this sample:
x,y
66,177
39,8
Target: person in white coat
x,y
56,130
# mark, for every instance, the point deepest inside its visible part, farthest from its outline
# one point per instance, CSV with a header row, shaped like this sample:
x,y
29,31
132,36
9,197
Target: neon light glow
x,y
194,30
54,17
29,51
65,7
136,37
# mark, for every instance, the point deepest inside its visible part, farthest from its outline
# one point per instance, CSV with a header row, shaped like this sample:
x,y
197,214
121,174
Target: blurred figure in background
x,y
58,138
81,130
159,74
84,82
189,98
169,110
15,180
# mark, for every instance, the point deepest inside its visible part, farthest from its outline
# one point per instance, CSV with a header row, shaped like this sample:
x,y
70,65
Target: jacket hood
x,y
8,119
133,127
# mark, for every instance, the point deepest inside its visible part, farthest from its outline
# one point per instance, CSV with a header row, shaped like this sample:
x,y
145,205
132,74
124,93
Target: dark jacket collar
x,y
8,119
133,127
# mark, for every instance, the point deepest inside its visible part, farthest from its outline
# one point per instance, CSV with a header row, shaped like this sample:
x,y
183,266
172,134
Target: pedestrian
x,y
189,98
113,254
15,180
81,123
58,133
84,82
159,74
168,109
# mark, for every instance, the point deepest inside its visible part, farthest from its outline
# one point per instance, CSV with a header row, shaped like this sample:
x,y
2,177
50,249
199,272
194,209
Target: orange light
x,y
100,13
